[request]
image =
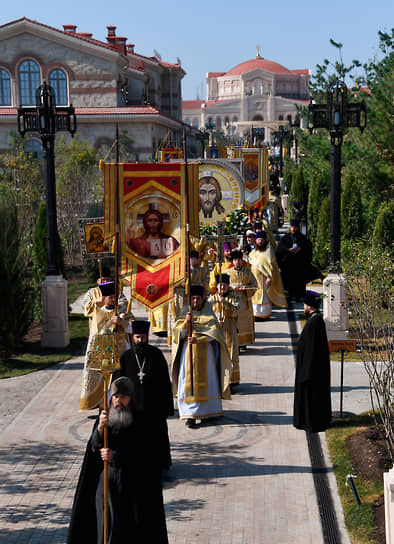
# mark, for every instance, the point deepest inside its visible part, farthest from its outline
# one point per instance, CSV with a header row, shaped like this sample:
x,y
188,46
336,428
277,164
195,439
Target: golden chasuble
x,y
245,321
205,329
228,309
264,265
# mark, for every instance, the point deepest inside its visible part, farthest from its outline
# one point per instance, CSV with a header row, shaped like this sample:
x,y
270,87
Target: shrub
x,y
15,293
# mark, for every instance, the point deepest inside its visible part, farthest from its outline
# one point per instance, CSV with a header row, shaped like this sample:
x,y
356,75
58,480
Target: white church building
x,y
257,93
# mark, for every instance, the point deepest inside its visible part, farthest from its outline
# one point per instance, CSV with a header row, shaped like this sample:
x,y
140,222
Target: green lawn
x,y
32,357
358,519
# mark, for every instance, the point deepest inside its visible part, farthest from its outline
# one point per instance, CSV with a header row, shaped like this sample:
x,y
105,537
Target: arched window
x,y
195,122
280,117
5,88
258,117
29,80
289,118
58,80
218,123
235,119
187,121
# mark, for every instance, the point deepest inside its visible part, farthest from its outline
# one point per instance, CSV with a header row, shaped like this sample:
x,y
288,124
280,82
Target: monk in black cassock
x,y
146,367
135,496
312,395
294,256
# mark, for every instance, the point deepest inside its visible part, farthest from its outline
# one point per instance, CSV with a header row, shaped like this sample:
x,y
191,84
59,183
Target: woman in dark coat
x,y
312,395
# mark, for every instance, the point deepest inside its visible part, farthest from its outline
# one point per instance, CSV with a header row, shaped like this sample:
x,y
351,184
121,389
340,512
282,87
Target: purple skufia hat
x,y
296,204
261,234
140,327
107,289
197,291
313,299
227,246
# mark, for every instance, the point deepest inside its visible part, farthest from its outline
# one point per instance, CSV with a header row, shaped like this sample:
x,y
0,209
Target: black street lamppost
x,y
46,119
336,116
279,136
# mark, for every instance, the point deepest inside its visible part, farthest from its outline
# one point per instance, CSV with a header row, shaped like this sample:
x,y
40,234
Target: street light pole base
x,y
54,313
335,311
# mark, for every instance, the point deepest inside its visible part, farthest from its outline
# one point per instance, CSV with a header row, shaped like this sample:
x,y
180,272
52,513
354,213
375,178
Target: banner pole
x,y
117,214
188,274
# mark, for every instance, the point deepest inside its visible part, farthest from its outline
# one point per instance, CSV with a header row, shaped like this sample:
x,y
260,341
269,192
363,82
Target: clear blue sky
x,y
214,36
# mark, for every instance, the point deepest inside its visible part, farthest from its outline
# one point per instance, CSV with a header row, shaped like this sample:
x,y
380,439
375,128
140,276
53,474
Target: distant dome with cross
x,y
258,62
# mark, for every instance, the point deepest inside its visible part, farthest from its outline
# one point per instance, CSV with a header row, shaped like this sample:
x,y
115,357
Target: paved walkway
x,y
244,479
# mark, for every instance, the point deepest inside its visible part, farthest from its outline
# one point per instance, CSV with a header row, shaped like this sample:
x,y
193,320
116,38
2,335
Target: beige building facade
x,y
257,93
108,83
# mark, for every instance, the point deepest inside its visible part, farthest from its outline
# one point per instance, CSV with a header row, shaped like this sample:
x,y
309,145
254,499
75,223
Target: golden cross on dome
x,y
258,47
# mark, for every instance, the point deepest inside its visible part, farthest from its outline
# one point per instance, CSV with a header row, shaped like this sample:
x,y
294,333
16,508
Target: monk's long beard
x,y
140,348
120,419
261,247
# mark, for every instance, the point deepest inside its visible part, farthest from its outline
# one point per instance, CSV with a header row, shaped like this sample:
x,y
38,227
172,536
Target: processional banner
x,y
152,221
256,176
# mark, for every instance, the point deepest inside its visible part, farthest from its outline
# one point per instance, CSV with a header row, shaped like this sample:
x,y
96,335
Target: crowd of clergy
x,y
208,325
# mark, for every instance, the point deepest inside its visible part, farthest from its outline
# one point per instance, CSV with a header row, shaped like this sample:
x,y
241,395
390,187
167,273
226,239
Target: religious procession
x,y
204,257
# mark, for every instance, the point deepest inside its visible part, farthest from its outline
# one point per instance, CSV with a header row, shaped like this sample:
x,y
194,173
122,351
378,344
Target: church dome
x,y
257,62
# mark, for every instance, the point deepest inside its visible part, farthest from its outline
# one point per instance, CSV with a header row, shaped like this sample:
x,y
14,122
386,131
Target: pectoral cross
x,y
141,375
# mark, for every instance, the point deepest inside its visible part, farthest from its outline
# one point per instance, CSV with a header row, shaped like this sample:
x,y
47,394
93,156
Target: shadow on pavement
x,y
204,464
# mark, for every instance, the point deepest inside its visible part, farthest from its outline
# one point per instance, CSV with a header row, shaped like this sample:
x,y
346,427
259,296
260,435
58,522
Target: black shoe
x,y
190,423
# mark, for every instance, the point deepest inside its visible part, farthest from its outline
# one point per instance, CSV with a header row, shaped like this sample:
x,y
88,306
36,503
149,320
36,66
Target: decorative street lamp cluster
x,y
336,116
279,136
46,119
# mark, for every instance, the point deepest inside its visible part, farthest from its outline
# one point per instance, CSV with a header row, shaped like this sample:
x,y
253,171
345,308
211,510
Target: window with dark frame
x,y
29,80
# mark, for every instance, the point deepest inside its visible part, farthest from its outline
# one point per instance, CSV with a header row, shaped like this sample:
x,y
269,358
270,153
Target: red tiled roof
x,y
216,74
299,72
73,34
86,37
214,102
192,104
126,110
252,64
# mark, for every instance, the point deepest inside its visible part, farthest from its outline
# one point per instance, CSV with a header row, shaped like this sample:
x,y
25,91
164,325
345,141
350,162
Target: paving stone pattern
x,y
245,478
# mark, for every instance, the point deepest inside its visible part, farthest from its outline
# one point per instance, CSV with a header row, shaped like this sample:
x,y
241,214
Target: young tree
x,y
383,234
369,276
78,184
351,209
15,294
21,172
321,248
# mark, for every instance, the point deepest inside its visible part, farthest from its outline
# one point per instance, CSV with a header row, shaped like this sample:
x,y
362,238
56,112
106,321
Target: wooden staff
x,y
188,272
107,375
100,269
220,233
107,379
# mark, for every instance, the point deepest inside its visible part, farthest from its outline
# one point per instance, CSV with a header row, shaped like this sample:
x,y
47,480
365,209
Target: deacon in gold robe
x,y
226,307
103,317
200,382
266,271
244,285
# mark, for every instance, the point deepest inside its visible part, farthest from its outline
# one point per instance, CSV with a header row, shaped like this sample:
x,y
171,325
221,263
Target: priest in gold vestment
x,y
199,383
226,308
266,271
103,317
244,285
